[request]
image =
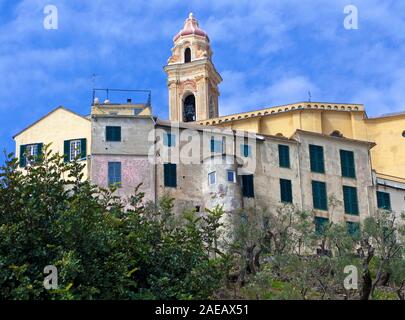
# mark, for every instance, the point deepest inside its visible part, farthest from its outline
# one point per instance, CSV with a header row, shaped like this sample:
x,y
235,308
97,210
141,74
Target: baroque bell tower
x,y
192,78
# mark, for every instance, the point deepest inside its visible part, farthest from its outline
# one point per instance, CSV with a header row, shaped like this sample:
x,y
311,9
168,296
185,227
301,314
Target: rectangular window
x,y
319,195
347,164
284,156
170,175
286,191
353,228
216,145
169,139
231,175
316,158
113,133
75,149
247,186
212,178
114,174
30,153
320,225
245,150
383,200
350,200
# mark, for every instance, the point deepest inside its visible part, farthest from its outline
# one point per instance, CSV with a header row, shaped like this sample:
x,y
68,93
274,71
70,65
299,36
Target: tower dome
x,y
191,27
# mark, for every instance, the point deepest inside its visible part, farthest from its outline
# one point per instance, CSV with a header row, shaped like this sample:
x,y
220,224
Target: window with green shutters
x,y
245,150
114,174
30,153
353,228
347,164
320,225
319,195
316,158
286,191
113,133
350,200
383,200
169,139
284,156
247,186
68,146
170,175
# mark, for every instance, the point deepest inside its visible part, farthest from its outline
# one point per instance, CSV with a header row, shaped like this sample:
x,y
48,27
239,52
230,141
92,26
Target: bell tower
x,y
192,78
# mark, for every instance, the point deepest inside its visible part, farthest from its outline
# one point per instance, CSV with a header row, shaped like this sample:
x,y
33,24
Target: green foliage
x,y
50,215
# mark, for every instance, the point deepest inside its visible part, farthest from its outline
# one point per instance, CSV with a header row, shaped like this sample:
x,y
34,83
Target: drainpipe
x,y
299,173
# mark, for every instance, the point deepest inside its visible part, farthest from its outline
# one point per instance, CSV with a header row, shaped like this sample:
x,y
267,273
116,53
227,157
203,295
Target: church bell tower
x,y
192,78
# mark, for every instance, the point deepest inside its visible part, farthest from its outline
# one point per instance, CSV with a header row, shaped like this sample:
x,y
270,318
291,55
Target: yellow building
x,y
67,133
375,146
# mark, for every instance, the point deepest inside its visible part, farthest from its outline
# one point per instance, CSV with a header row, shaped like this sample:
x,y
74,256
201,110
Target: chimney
x,y
129,100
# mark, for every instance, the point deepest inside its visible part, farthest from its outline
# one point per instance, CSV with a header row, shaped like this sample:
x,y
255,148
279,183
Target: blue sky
x,y
268,53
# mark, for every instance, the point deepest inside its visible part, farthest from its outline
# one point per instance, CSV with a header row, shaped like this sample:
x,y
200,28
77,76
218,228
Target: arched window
x,y
187,55
189,108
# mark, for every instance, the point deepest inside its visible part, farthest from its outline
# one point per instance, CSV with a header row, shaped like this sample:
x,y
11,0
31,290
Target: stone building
x,y
300,153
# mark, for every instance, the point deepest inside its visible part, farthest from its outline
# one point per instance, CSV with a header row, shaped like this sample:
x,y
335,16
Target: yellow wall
x,y
58,126
388,156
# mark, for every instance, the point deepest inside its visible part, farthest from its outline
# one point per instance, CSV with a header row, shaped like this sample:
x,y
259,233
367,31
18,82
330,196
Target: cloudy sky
x,y
268,53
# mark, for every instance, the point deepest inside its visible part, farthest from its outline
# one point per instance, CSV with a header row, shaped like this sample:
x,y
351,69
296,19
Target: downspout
x,y
299,173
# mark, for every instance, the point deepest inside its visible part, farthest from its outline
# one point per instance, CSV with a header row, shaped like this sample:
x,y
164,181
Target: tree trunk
x,y
367,285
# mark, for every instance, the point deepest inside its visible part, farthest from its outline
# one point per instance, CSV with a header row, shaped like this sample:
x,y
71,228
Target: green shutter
x,y
66,150
319,196
350,200
320,225
286,191
347,164
170,175
83,144
40,146
316,158
23,160
353,229
383,200
284,156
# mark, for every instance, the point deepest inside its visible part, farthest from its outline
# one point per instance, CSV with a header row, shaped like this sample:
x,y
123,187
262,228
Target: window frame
x,y
347,163
383,194
284,156
210,175
111,135
228,171
286,197
79,141
321,202
317,164
111,166
350,200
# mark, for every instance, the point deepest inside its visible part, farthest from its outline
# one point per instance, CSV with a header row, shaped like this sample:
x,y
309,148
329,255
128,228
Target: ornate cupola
x,y
192,78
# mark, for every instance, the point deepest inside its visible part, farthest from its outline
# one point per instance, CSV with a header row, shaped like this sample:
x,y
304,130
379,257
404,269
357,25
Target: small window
x,y
284,156
286,191
212,178
383,200
187,55
245,150
353,229
216,145
321,225
247,186
350,200
347,164
75,149
170,175
113,133
319,195
169,139
114,174
29,153
231,175
316,158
